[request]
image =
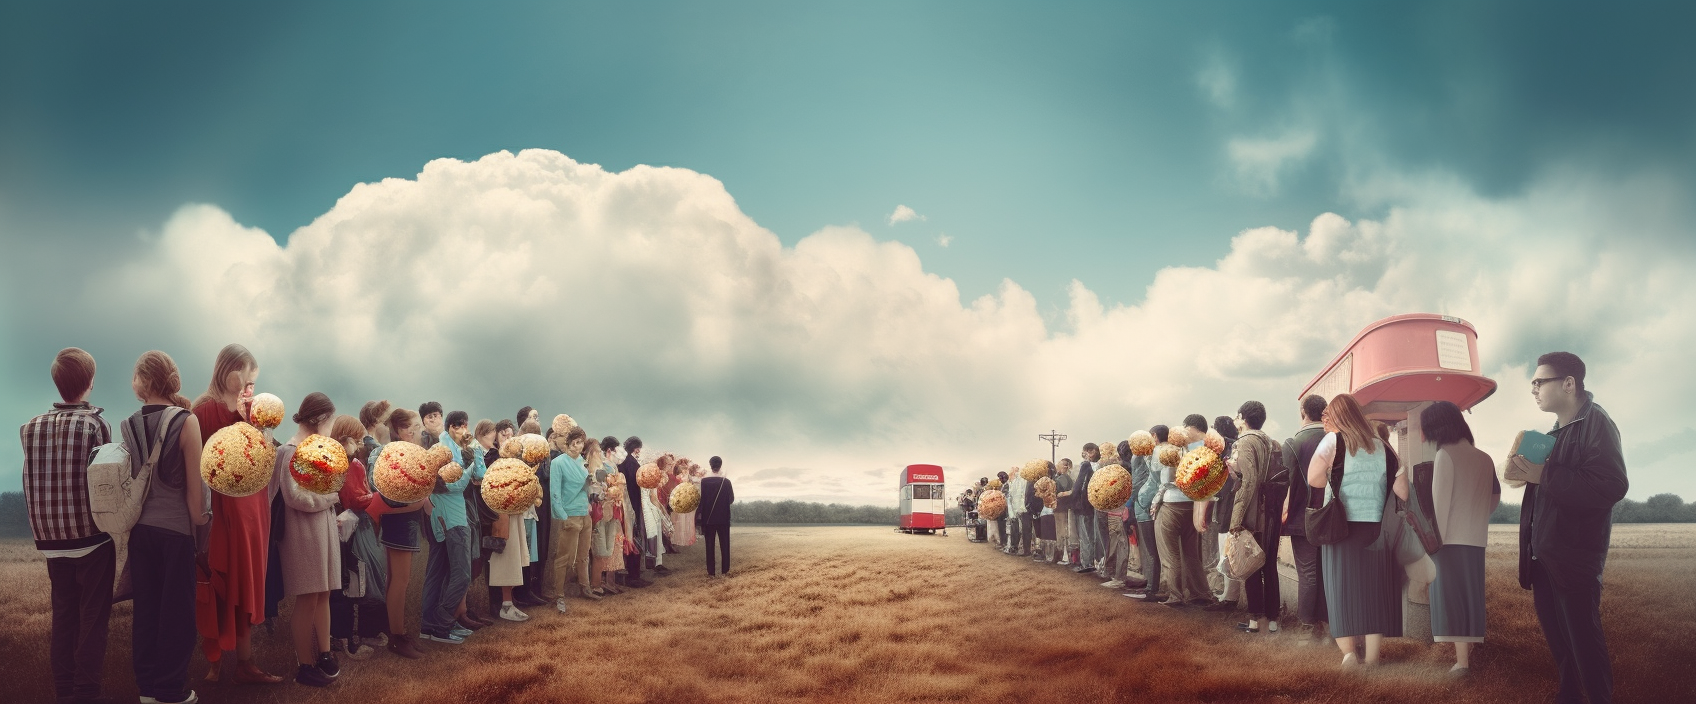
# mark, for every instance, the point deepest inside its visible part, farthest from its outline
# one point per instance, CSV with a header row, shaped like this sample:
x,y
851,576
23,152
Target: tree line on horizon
x,y
1660,508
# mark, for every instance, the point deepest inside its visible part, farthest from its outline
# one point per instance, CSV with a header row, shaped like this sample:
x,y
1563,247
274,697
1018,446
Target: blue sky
x,y
1043,143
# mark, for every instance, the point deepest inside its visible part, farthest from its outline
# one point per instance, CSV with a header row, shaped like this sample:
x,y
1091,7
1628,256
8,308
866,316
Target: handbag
x,y
1329,524
1421,509
356,581
1243,555
494,544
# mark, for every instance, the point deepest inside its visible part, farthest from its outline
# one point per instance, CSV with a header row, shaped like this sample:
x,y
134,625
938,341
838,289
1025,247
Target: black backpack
x,y
1277,481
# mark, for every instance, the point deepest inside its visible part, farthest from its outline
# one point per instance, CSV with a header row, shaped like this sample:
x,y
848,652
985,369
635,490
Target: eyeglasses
x,y
1538,383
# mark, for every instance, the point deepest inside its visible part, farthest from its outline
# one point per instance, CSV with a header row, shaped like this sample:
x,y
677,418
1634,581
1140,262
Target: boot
x,y
401,644
249,673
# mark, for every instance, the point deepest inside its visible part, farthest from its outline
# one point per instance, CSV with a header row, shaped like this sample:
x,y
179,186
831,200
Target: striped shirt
x,y
57,448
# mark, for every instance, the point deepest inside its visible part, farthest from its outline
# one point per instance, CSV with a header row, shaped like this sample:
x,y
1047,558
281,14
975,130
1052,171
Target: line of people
x,y
1349,582
202,563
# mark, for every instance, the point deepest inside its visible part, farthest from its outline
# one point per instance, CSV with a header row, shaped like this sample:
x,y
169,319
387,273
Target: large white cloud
x,y
646,302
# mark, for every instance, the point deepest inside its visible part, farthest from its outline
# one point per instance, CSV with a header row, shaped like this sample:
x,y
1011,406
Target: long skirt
x,y
1361,587
683,529
506,568
1457,595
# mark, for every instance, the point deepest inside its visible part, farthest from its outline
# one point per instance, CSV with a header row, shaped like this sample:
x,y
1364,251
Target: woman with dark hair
x,y
1361,588
401,531
1464,492
528,414
1143,504
309,549
231,599
162,544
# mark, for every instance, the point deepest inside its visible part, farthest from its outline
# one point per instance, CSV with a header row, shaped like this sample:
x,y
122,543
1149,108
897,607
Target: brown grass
x,y
864,614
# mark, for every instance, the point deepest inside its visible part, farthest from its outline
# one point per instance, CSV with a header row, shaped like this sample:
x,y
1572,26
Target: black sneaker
x,y
638,583
328,665
311,676
662,571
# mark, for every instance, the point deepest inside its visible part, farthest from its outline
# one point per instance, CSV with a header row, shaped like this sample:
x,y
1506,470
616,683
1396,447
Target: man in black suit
x,y
714,516
638,529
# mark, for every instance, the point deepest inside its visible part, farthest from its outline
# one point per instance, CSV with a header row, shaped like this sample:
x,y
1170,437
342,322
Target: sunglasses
x,y
1538,383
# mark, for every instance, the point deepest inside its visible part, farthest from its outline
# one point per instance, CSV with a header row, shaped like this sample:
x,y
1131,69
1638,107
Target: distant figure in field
x,y
714,516
1565,523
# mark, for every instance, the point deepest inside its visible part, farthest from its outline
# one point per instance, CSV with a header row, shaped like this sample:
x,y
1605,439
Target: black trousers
x,y
1310,581
633,563
1264,600
163,636
718,535
1571,615
82,603
367,616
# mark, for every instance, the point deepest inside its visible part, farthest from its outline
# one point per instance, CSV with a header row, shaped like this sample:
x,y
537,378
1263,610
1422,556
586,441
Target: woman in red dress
x,y
230,594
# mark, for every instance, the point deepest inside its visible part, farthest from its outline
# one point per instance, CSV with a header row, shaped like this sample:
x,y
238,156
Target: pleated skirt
x,y
1457,595
1362,590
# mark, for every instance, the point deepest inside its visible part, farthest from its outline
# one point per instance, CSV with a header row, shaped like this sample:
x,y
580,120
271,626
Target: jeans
x,y
1571,616
1310,581
82,603
1083,526
163,633
1148,544
447,575
719,536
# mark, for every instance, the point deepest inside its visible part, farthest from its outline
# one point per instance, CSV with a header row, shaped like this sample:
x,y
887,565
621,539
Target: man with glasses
x,y
1564,526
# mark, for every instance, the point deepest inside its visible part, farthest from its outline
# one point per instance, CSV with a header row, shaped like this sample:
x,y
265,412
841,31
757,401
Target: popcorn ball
x,y
451,472
1109,451
992,505
237,461
1048,491
563,424
319,465
994,483
437,457
403,472
513,448
650,476
1110,488
535,448
1034,470
1201,474
1142,443
1215,442
510,487
266,411
685,498
1169,454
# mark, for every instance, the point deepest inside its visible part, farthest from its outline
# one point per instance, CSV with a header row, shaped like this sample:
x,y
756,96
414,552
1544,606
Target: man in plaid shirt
x,y
80,558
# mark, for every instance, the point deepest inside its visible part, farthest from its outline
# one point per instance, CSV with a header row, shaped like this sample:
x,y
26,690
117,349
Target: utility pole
x,y
1054,439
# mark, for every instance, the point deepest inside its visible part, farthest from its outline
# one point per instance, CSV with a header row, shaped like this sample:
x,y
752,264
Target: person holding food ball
x,y
310,547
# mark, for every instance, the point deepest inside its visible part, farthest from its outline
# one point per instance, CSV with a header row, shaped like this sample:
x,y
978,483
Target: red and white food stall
x,y
922,499
1395,368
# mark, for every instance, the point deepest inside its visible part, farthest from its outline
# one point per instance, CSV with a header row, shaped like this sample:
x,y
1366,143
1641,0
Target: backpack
x,y
116,491
1277,481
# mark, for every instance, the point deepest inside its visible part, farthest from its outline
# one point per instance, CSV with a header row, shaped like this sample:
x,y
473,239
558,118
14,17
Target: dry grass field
x,y
867,615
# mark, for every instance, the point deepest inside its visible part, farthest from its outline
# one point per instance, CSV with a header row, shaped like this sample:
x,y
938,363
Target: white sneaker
x,y
1271,626
192,699
1114,584
562,606
511,613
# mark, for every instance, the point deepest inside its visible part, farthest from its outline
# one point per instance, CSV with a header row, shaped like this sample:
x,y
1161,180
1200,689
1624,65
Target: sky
x,y
827,240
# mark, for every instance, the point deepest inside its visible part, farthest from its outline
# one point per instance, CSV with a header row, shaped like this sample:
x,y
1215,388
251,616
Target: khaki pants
x,y
571,540
1063,541
1180,552
1118,548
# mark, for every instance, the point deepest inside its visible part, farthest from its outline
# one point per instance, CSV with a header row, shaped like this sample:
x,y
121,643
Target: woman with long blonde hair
x,y
1361,590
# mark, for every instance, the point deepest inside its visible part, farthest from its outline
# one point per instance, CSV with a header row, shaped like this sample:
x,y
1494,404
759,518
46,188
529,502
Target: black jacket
x,y
1566,521
716,497
628,468
1080,489
1298,453
1033,503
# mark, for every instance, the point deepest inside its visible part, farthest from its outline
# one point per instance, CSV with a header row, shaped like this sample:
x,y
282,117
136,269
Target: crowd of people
x,y
203,564
1161,546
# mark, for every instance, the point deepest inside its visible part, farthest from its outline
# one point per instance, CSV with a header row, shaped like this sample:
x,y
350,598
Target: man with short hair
x,y
81,560
1179,522
447,569
1310,580
714,516
430,413
1565,524
1083,514
1257,508
637,529
1019,518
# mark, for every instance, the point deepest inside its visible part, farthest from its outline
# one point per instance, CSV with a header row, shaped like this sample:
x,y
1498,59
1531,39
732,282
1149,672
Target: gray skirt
x,y
1362,590
1457,595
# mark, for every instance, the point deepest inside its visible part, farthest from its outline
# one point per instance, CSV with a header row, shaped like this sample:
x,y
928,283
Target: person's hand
x,y
1201,521
1236,530
244,402
1522,469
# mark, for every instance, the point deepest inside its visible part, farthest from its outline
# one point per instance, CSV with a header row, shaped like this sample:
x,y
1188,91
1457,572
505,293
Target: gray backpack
x,y
116,488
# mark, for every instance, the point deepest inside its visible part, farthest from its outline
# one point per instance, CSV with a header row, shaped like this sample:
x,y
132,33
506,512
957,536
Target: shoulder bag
x,y
1329,524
